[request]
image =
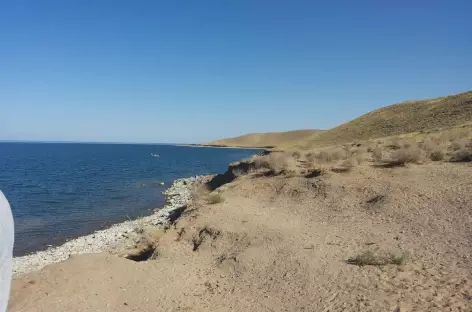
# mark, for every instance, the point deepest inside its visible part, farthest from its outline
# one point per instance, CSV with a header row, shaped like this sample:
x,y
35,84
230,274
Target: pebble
x,y
177,195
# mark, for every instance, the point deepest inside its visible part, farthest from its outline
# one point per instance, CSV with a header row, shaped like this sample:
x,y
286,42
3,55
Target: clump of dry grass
x,y
463,155
145,247
403,156
358,154
276,162
214,199
377,153
394,144
371,258
296,154
350,163
325,156
436,155
199,193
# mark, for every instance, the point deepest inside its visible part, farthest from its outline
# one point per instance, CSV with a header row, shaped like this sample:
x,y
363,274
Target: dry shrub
x,y
296,154
460,144
329,155
238,172
310,156
428,144
374,258
337,154
199,193
436,155
394,144
358,154
214,199
377,153
350,163
323,157
464,154
145,247
404,156
457,145
359,158
276,162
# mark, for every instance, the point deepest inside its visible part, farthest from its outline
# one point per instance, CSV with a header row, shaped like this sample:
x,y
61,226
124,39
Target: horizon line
x,y
86,142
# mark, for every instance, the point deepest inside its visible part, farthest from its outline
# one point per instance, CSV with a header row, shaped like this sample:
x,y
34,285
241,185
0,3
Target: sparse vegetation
x,y
296,154
377,153
464,155
405,155
350,163
457,145
370,257
146,246
276,162
436,156
214,199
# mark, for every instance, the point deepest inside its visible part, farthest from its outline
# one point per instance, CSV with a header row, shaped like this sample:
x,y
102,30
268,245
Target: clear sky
x,y
192,71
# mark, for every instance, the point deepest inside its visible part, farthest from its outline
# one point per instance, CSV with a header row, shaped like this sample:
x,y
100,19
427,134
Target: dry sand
x,y
281,244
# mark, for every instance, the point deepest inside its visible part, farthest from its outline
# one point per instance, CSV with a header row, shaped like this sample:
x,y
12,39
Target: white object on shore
x,y
6,251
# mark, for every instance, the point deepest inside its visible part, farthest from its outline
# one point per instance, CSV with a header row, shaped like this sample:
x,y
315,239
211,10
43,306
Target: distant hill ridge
x,y
406,117
267,140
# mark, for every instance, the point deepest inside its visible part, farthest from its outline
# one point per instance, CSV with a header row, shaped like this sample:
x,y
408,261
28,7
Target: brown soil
x,y
282,243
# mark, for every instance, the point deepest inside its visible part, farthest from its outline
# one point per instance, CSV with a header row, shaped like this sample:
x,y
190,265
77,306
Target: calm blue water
x,y
60,191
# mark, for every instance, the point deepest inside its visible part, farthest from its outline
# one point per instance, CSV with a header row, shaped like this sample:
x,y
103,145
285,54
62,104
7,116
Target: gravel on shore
x,y
113,238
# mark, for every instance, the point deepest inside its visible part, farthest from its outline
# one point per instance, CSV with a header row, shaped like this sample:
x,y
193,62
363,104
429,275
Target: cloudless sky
x,y
192,71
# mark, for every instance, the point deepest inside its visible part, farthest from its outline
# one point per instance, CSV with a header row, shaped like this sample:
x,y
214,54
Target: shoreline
x,y
224,146
117,237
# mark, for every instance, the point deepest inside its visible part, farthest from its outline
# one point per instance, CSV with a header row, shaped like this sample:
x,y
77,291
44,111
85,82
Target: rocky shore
x,y
117,236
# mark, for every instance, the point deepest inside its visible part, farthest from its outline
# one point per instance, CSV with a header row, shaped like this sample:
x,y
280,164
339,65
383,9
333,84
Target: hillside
x,y
410,116
269,139
366,239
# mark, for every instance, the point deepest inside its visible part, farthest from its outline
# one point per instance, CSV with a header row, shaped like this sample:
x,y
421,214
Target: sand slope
x,y
269,139
281,244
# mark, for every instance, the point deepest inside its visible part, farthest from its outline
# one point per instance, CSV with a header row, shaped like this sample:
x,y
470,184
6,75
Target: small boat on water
x,y
155,155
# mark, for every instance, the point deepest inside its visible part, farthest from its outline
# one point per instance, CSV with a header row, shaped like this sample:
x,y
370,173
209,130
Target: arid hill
x,y
407,117
269,139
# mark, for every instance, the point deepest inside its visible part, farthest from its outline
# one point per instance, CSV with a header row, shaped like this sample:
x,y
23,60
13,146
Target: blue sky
x,y
192,71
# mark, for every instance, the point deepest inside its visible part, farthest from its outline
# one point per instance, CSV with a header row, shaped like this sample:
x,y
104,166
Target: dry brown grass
x,y
436,155
407,117
145,247
214,199
296,154
370,257
276,162
377,153
405,155
350,163
463,155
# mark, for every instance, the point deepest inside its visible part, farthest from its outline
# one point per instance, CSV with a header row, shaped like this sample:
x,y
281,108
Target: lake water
x,y
59,191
